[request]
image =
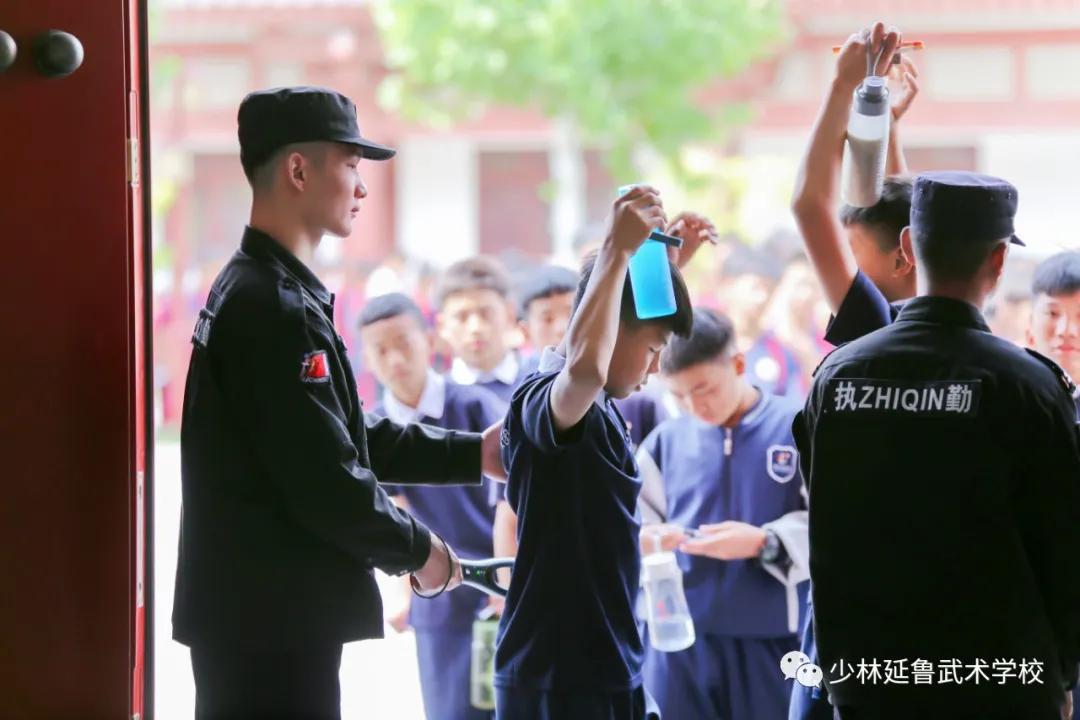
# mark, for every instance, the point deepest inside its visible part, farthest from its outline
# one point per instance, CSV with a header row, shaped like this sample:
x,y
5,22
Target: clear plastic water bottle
x,y
867,143
670,626
650,277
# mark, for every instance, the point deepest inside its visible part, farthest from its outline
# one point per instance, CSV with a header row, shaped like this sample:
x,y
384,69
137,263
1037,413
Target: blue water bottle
x,y
650,274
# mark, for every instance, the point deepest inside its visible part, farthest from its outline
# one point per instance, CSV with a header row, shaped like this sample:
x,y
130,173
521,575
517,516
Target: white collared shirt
x,y
550,361
505,372
432,400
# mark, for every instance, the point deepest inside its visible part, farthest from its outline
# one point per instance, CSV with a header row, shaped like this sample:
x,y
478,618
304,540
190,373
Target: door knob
x,y
7,51
57,53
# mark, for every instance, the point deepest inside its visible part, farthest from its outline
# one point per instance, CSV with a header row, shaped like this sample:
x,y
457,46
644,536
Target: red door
x,y
72,423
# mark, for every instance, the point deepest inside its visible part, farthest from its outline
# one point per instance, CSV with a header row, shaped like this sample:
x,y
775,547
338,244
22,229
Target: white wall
x,y
436,186
1043,168
771,164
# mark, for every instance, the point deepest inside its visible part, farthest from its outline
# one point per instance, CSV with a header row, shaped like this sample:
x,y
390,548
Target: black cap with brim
x,y
964,206
271,119
371,150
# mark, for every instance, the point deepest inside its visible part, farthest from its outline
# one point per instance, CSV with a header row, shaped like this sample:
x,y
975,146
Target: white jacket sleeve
x,y
653,500
793,531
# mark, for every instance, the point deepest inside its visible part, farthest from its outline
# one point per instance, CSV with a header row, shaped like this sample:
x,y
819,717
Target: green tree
x,y
623,75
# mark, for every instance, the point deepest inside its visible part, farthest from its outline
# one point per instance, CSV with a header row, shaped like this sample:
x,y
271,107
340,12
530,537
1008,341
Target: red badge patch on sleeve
x,y
315,368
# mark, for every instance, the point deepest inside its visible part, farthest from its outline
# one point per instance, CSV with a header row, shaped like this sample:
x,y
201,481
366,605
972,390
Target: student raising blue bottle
x,y
728,470
569,645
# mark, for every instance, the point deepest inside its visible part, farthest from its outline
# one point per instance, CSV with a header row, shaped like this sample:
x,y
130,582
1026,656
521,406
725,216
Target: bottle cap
x,y
659,566
666,239
872,96
874,86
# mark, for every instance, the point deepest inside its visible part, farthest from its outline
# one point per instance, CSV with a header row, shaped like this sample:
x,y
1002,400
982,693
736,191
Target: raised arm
x,y
906,72
695,230
817,194
590,340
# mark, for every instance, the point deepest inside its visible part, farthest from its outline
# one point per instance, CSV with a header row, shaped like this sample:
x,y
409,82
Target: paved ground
x,y
378,678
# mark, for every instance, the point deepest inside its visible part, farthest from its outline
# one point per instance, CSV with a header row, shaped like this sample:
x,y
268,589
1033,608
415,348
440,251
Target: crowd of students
x,y
599,465
712,464
712,440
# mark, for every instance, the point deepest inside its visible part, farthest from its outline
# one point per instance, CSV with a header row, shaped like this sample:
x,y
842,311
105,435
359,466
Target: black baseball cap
x,y
964,206
270,119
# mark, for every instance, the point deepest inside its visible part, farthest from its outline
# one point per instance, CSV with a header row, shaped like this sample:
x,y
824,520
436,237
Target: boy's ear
x,y
907,248
365,348
738,361
297,170
903,257
1029,337
516,337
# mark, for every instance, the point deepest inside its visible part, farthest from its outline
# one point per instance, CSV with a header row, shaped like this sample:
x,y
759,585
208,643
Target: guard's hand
x,y
633,217
661,537
441,560
695,230
1067,706
491,453
908,76
851,65
728,540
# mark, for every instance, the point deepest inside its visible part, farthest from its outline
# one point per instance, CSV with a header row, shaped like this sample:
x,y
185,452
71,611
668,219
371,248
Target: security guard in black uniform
x,y
283,518
944,473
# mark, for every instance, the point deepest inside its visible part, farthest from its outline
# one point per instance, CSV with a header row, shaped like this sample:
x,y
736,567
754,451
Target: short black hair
x,y
391,305
948,258
680,323
712,338
887,217
475,273
261,175
545,282
745,260
1058,274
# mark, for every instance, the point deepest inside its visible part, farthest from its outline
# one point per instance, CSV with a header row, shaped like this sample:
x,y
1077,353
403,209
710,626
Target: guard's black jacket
x,y
944,476
283,519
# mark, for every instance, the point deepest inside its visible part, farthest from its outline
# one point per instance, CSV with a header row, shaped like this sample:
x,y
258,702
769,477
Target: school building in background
x,y
1000,94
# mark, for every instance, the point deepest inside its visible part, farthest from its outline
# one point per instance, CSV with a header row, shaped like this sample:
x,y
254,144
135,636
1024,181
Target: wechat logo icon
x,y
797,666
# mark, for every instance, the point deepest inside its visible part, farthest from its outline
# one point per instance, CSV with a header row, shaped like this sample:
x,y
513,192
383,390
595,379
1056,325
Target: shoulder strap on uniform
x,y
1059,372
827,356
